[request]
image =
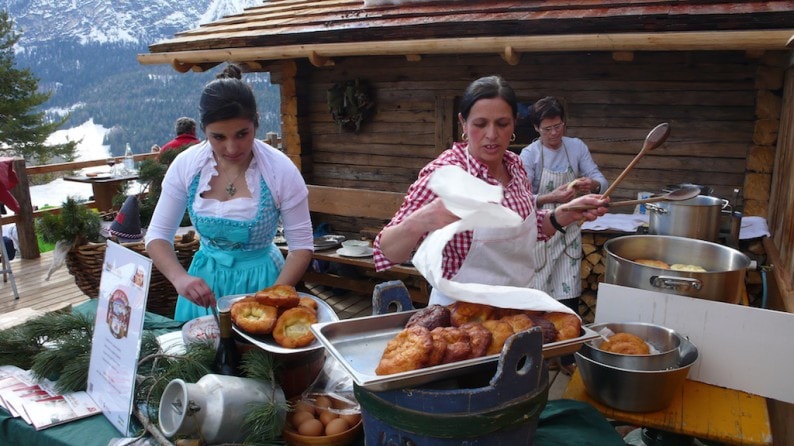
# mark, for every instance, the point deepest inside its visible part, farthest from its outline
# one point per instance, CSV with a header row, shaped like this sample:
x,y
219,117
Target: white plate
x,y
266,342
345,252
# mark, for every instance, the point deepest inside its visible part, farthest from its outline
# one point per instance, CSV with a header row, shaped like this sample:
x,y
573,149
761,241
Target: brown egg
x,y
304,406
327,416
300,417
352,419
336,426
322,402
311,428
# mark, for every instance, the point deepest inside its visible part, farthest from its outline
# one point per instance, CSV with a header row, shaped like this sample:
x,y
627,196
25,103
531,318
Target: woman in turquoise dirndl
x,y
236,190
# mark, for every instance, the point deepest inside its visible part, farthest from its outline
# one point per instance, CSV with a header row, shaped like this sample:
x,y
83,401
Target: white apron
x,y
558,270
497,256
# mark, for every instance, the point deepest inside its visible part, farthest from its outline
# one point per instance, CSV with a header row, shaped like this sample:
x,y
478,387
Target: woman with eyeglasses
x,y
559,169
503,256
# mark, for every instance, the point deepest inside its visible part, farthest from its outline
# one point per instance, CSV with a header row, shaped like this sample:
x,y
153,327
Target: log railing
x,y
28,244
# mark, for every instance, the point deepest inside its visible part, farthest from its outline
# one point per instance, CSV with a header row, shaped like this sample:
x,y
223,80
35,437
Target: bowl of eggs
x,y
322,420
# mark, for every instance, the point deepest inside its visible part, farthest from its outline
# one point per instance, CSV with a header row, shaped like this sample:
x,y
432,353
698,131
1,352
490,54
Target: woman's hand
x,y
196,290
567,217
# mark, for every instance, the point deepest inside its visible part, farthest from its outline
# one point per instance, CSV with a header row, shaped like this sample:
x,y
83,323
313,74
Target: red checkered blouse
x,y
517,196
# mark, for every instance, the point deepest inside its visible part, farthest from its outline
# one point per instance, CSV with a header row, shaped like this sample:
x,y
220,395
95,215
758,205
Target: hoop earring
x,y
463,136
513,137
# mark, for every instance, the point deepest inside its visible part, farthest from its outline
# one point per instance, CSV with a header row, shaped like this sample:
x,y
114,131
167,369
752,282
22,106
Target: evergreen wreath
x,y
350,103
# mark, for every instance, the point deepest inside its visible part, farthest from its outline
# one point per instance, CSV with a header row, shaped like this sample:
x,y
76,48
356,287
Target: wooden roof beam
x,y
672,41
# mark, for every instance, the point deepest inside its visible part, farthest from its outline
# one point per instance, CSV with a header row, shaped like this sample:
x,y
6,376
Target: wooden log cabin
x,y
719,72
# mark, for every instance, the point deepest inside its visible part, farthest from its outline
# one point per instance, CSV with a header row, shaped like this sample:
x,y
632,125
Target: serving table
x,y
104,187
698,410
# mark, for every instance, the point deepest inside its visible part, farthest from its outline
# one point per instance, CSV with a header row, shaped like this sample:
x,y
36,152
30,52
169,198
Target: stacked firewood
x,y
593,267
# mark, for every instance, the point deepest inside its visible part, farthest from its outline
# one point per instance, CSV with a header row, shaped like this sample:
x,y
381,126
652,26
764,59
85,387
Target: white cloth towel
x,y
477,203
753,227
617,222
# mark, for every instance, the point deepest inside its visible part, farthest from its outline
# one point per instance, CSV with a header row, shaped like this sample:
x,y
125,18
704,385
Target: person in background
x,y
235,188
504,256
559,168
185,129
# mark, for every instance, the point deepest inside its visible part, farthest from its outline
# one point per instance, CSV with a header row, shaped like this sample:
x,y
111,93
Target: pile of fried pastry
x,y
625,344
278,311
444,334
675,266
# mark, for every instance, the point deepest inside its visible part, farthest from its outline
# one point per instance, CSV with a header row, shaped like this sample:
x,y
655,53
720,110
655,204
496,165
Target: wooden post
x,y
28,243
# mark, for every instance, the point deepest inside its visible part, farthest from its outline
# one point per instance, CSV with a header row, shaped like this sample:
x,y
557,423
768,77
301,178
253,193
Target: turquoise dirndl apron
x,y
235,257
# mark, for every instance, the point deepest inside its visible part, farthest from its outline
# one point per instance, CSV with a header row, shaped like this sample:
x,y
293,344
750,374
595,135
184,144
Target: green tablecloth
x,y
562,422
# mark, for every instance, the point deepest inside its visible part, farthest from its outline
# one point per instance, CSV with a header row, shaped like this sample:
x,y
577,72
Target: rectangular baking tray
x,y
357,344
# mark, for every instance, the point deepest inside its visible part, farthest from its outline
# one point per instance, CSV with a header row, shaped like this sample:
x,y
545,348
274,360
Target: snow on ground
x,y
89,147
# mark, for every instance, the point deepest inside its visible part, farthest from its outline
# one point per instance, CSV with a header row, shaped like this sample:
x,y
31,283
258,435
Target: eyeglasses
x,y
552,128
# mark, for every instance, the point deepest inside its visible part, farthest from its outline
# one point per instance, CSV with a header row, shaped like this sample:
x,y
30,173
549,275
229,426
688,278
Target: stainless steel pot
x,y
723,280
697,217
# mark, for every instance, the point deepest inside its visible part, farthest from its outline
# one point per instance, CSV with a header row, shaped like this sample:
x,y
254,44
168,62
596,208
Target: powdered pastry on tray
x,y
279,296
292,328
431,317
568,325
408,350
462,312
253,317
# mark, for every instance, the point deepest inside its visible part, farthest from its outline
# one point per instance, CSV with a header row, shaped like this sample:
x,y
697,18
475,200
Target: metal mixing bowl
x,y
634,390
664,341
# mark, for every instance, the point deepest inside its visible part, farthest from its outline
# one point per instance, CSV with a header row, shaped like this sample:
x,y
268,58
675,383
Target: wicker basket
x,y
85,264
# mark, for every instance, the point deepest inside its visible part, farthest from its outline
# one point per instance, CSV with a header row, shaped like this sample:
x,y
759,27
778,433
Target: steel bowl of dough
x,y
634,390
676,265
660,348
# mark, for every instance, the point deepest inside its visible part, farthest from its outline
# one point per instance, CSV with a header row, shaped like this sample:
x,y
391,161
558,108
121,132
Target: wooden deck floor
x,y
41,295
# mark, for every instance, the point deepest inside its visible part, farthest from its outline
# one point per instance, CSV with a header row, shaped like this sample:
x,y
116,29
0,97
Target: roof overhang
x,y
508,47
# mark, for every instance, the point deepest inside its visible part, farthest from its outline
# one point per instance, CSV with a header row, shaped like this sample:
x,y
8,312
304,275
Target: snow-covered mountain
x,y
109,21
84,53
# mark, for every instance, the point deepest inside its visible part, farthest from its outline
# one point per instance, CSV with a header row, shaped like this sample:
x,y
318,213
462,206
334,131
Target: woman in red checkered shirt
x,y
504,256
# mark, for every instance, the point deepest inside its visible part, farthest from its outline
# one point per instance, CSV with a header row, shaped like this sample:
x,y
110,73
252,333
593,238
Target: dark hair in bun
x,y
227,97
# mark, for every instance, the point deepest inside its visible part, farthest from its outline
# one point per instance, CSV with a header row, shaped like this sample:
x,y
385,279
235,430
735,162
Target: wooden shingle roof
x,y
323,29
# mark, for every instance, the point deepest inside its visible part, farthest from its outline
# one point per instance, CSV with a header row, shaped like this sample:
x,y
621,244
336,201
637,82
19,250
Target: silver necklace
x,y
231,189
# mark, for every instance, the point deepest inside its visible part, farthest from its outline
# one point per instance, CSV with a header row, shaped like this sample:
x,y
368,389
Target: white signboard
x,y
123,290
739,347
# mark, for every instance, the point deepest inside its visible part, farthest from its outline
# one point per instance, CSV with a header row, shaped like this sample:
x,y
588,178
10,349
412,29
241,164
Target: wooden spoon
x,y
655,138
676,195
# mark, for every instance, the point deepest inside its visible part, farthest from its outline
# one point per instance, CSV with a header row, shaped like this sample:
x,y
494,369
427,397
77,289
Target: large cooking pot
x,y
723,280
697,217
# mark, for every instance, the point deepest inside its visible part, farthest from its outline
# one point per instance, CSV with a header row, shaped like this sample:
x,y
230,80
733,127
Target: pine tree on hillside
x,y
23,129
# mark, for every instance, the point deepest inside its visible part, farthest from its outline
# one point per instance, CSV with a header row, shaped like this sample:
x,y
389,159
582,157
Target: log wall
x,y
714,102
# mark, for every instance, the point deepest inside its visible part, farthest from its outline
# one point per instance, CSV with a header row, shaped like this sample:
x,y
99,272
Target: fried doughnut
x,y
292,327
279,296
568,325
462,312
625,343
438,351
654,263
308,302
431,317
253,317
408,350
546,327
458,343
519,322
480,338
500,331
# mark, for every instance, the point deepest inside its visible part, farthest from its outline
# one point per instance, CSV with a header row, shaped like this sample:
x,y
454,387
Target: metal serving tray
x,y
358,344
266,342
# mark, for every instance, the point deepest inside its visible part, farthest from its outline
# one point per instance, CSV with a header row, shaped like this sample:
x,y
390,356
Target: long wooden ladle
x,y
655,138
676,195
